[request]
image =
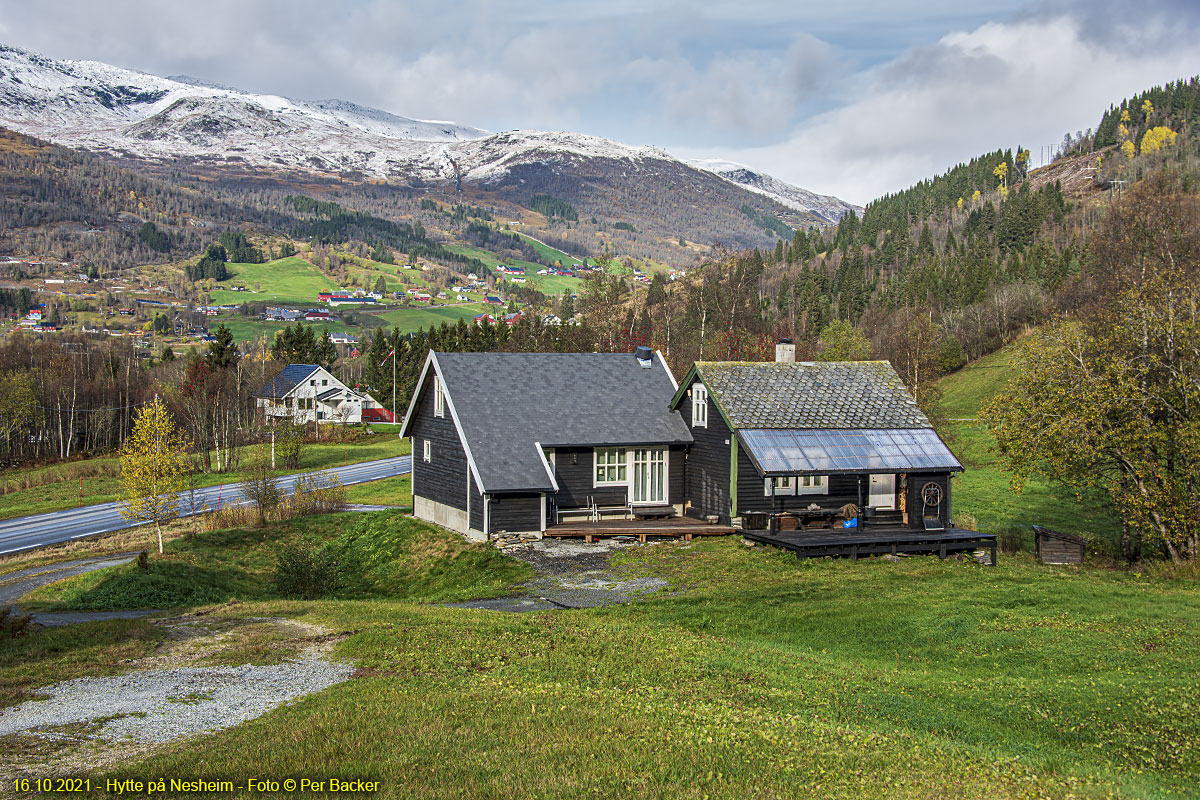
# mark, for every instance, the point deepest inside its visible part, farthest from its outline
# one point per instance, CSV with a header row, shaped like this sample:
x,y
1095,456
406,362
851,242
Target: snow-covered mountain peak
x,y
100,107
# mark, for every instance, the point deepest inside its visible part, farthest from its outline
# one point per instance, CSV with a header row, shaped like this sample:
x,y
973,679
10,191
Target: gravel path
x,y
572,575
15,584
160,705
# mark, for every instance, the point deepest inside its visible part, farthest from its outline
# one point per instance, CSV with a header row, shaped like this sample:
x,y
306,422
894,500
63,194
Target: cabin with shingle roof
x,y
804,439
511,443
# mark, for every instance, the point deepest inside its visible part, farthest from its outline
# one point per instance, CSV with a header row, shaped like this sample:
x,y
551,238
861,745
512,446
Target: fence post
x,y
219,488
81,492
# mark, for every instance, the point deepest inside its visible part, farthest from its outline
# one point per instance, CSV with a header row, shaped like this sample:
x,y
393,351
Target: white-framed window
x,y
812,484
439,398
782,486
699,406
427,451
793,485
612,466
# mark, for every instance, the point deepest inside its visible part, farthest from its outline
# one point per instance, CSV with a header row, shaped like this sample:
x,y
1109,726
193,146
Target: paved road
x,y
55,527
15,584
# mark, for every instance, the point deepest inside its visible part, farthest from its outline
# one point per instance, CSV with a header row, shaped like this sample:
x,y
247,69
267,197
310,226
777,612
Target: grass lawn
x,y
56,487
757,676
393,555
983,491
395,491
291,281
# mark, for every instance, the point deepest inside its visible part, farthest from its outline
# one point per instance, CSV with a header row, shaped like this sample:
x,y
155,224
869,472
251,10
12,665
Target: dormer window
x,y
699,406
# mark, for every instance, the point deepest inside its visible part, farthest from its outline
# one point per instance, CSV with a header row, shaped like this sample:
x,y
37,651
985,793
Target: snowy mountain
x,y
829,207
98,107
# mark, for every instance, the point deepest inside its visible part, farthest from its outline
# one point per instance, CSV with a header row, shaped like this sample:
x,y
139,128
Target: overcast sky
x,y
854,98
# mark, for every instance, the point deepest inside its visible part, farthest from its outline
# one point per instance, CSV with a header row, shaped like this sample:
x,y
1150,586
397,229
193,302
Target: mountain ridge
x,y
108,109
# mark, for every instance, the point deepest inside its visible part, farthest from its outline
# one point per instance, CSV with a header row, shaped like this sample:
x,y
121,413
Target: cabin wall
x,y
706,476
444,478
843,489
916,506
514,513
574,470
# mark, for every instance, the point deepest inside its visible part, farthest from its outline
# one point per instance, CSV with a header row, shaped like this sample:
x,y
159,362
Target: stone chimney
x,y
785,352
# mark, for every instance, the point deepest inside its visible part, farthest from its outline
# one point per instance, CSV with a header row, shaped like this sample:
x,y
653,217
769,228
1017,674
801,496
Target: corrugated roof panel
x,y
782,452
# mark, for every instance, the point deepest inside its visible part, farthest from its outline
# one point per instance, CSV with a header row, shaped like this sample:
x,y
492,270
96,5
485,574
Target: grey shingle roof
x,y
811,395
505,402
286,380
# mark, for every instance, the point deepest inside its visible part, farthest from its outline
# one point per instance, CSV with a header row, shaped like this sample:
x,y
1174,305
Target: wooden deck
x,y
877,541
678,527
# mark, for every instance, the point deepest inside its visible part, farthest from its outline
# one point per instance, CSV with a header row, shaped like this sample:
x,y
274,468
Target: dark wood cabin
x,y
1053,547
792,444
516,442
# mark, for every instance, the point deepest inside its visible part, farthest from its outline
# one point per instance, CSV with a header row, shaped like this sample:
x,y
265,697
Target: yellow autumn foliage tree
x,y
1128,149
153,466
1157,138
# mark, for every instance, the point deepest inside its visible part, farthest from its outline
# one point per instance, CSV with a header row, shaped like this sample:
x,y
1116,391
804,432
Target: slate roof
x,y
291,376
505,402
842,395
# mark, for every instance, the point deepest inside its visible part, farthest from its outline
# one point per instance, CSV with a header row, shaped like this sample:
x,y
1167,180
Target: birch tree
x,y
153,468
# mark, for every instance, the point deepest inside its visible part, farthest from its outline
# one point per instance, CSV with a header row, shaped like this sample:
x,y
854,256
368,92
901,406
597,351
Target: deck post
x,y
993,552
942,550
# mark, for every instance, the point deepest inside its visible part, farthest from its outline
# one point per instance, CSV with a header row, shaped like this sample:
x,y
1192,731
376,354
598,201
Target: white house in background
x,y
307,392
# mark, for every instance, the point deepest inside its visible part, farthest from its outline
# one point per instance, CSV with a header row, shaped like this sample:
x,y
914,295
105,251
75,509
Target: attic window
x,y
699,406
439,398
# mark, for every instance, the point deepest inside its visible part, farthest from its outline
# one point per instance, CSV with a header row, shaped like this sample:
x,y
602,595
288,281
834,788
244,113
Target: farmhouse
x,y
489,458
308,392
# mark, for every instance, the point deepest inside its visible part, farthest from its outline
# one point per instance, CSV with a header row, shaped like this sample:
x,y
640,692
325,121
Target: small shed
x,y
1053,547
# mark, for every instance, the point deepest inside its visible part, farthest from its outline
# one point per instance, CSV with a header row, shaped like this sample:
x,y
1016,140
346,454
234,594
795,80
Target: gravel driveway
x,y
159,705
572,575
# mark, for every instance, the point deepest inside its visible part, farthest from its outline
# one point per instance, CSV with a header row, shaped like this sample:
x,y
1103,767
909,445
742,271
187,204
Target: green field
x,y
547,284
752,676
414,319
288,281
983,490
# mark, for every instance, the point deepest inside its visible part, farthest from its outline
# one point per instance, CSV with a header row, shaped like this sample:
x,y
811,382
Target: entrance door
x,y
649,476
883,492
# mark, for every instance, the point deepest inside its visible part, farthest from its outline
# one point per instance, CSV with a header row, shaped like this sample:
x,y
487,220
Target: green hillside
x,y
291,281
983,491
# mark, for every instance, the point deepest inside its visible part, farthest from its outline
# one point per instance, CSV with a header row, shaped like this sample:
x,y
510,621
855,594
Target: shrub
x,y
289,445
310,570
315,493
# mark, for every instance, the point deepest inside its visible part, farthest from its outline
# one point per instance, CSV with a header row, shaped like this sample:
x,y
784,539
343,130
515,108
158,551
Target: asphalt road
x,y
55,527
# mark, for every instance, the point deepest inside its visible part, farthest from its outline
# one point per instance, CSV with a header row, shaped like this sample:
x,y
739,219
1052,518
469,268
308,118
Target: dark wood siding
x,y
475,518
842,489
514,512
676,471
916,506
573,472
706,475
444,478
